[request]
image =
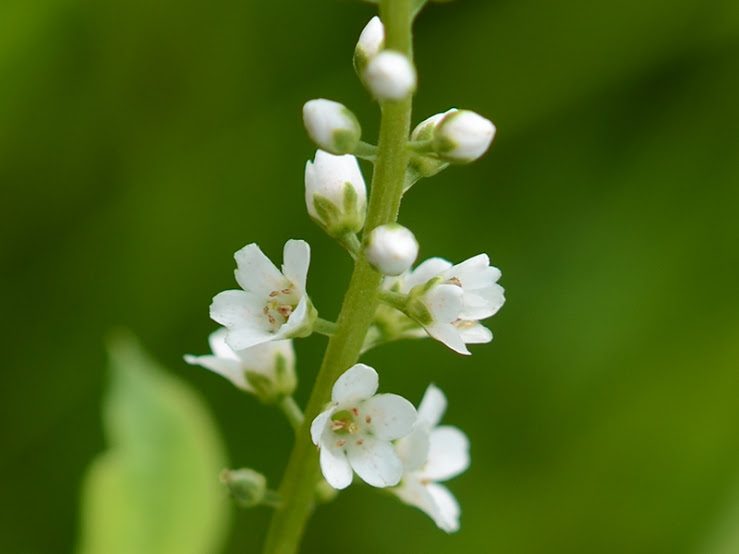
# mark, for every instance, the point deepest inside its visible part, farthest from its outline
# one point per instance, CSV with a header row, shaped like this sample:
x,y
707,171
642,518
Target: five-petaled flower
x,y
432,453
273,305
449,300
356,430
267,369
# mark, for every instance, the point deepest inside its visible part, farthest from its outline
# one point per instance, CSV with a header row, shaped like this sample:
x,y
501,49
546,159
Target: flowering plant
x,y
380,437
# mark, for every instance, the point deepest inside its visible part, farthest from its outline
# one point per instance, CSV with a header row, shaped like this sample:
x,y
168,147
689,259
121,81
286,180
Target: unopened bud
x,y
248,487
390,76
369,45
391,249
332,126
463,136
335,193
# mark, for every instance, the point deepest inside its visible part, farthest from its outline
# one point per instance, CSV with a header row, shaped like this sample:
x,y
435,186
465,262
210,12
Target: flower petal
x,y
358,382
296,259
472,332
296,322
217,342
426,271
447,334
256,273
432,406
392,416
318,425
335,466
449,454
375,461
414,448
474,273
447,507
445,302
230,369
413,492
236,308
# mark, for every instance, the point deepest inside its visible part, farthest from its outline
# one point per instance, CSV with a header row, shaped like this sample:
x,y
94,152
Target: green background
x,y
142,143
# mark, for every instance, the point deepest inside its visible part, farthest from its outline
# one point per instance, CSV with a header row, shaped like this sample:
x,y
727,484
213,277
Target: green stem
x,y
324,327
366,151
292,412
360,302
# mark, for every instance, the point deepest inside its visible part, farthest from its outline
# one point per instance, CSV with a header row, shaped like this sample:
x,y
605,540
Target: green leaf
x,y
156,489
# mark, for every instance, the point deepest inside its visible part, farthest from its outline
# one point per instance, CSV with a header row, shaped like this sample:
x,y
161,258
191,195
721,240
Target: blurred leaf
x,y
156,489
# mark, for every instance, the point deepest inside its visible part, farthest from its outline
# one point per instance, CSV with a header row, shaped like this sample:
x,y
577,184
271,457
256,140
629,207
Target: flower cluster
x,y
382,438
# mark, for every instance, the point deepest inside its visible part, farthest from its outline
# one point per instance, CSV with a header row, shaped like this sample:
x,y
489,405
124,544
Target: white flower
x,y
463,136
273,305
335,192
369,45
267,369
354,433
391,249
450,300
390,76
432,453
332,126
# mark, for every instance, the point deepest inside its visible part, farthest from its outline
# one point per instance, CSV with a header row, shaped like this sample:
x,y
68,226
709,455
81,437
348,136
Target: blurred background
x,y
142,143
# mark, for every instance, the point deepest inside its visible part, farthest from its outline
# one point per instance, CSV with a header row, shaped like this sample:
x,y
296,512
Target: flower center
x,y
280,306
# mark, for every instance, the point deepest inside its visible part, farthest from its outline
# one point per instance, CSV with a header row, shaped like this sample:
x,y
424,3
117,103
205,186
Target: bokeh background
x,y
142,143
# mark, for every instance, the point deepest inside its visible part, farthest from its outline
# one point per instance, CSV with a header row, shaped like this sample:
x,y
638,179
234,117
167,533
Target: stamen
x,y
355,411
285,310
271,319
368,419
360,442
340,443
274,293
455,281
286,291
336,425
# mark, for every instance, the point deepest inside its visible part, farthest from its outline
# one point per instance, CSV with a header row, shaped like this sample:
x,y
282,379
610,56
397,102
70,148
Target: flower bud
x,y
370,43
332,126
335,193
390,76
391,249
427,166
463,136
248,487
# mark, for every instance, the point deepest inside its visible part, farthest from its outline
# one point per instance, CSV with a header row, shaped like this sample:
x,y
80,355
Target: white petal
x,y
449,454
356,383
242,338
236,308
262,358
426,271
432,407
296,320
474,272
296,259
335,466
392,416
414,448
447,507
230,369
445,302
375,461
474,333
447,334
217,342
318,425
412,492
256,273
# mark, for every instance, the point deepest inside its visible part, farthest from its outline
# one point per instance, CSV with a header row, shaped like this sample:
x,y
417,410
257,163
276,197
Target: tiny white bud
x,y
390,76
463,136
331,125
335,192
369,45
425,129
391,249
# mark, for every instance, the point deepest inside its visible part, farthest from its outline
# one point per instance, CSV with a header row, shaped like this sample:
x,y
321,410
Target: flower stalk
x,y
360,302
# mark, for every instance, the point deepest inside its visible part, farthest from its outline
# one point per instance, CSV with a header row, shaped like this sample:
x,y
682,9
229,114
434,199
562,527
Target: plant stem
x,y
292,412
324,327
360,302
